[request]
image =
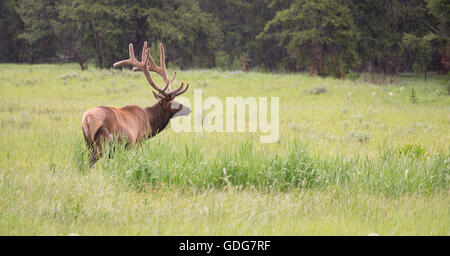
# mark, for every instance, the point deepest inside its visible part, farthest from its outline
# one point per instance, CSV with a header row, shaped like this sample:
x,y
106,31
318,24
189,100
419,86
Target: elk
x,y
132,124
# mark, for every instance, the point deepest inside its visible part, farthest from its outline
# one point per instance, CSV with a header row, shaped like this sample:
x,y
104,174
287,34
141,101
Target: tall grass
x,y
163,161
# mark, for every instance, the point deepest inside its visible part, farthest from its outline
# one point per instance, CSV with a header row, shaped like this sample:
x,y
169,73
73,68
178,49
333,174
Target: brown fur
x,y
130,124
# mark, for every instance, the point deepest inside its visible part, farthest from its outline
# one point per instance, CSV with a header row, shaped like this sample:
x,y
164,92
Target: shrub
x,y
358,136
320,89
222,60
23,120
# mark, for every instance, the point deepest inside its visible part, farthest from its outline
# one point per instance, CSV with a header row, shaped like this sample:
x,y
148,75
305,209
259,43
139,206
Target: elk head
x,y
166,95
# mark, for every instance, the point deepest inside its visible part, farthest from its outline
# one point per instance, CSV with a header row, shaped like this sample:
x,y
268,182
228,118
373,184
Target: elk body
x,y
132,123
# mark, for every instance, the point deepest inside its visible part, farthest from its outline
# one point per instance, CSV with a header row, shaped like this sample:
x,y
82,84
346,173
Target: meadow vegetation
x,y
353,158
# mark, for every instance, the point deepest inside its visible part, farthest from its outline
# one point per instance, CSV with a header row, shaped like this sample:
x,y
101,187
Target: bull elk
x,y
131,123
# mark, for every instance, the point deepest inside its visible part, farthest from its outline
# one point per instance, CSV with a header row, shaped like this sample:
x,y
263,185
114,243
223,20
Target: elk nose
x,y
184,111
188,110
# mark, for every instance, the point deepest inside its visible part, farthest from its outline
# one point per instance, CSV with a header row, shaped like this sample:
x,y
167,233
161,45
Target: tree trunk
x,y
318,57
98,47
141,28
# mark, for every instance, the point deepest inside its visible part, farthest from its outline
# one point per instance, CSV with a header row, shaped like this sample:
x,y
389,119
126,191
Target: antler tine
x,y
162,61
131,60
161,70
173,77
176,90
144,57
145,53
131,53
165,88
149,78
167,96
153,67
179,92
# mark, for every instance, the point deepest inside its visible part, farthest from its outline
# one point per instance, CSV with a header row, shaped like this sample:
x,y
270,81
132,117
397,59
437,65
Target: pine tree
x,y
316,34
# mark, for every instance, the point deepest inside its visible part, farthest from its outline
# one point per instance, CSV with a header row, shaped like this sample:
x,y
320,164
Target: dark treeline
x,y
325,37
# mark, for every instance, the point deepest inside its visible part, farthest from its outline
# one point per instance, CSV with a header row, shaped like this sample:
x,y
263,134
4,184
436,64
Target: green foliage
x,y
328,38
222,60
440,9
381,25
352,75
101,30
414,151
49,31
240,22
191,35
11,46
320,34
418,50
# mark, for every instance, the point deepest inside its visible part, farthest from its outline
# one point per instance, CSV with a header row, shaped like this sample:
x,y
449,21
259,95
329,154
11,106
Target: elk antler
x,y
162,71
142,66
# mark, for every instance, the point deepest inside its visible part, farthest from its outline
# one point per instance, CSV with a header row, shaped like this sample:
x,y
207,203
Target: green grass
x,y
357,159
240,165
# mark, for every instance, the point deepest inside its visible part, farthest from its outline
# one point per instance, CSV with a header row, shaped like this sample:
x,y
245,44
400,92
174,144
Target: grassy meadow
x,y
353,158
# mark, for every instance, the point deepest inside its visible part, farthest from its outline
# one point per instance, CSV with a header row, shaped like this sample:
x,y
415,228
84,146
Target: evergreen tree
x,y
319,35
240,23
46,27
419,50
440,10
12,48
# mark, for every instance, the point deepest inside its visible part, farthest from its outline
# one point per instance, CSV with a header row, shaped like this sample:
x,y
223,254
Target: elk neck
x,y
158,118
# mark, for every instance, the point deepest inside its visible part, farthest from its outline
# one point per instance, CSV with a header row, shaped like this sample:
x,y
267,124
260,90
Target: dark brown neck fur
x,y
158,118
